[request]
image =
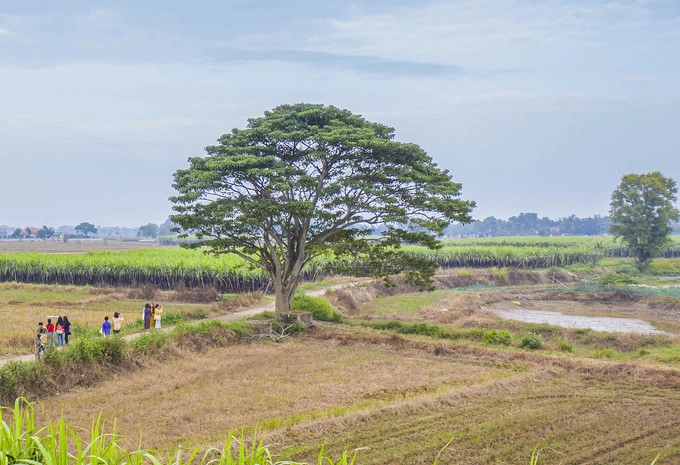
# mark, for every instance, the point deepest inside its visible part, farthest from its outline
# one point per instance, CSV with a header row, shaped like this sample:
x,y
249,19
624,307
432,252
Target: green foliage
x,y
171,318
320,308
585,335
501,275
306,180
59,443
498,337
531,341
641,211
91,348
565,346
202,328
605,352
149,230
615,279
149,342
86,229
421,329
14,374
665,267
153,268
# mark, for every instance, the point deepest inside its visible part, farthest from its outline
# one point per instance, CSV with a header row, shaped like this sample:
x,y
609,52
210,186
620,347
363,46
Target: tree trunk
x,y
284,297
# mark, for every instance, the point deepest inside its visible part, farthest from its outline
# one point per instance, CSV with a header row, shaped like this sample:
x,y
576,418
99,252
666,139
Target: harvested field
x,y
401,399
609,399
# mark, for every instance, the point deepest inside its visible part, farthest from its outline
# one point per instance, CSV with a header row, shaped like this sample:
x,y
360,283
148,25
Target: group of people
x,y
62,328
107,327
152,312
46,333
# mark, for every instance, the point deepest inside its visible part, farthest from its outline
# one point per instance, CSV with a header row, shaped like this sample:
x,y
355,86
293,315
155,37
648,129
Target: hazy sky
x,y
534,106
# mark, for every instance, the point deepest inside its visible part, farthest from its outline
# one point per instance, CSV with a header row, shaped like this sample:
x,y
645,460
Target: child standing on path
x,y
40,340
117,322
106,327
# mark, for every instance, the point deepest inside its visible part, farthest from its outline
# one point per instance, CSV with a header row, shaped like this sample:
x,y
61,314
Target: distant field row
x,y
169,267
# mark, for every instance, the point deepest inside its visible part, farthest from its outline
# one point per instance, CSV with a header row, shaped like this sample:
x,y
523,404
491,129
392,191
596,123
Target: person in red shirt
x,y
50,332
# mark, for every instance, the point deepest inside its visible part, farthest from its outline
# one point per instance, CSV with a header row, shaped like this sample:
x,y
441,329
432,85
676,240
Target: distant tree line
x,y
87,230
524,224
529,224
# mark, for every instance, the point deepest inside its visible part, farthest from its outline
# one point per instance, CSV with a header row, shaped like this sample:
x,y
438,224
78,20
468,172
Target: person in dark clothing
x,y
67,330
146,314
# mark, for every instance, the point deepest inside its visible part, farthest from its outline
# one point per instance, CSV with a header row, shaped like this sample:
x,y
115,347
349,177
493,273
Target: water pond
x,y
596,323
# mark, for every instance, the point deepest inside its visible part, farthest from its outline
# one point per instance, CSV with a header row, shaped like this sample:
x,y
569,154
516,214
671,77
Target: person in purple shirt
x,y
106,327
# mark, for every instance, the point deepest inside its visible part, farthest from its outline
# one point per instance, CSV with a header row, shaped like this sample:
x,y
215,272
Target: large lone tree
x,y
306,180
641,211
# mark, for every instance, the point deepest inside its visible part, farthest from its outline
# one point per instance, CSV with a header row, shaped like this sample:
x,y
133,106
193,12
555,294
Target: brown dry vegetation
x,y
401,398
405,397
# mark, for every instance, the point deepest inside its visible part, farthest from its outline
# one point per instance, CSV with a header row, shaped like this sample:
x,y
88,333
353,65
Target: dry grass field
x,y
401,398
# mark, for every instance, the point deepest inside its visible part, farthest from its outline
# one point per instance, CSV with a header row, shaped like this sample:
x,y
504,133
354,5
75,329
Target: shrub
x,y
320,309
648,341
91,348
476,334
425,329
498,337
565,346
615,279
397,326
531,341
149,342
170,318
12,375
605,353
501,275
421,329
585,335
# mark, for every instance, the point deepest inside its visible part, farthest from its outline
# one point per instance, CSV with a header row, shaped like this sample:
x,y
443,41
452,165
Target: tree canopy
x,y
45,233
641,210
149,230
86,228
306,180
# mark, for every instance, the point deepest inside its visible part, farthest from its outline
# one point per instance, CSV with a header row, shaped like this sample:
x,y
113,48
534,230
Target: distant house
x,y
29,232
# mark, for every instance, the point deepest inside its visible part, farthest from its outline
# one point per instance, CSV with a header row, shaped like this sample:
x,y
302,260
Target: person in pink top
x,y
59,330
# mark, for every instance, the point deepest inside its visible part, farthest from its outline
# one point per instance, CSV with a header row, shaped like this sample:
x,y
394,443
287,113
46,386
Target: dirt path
x,y
239,315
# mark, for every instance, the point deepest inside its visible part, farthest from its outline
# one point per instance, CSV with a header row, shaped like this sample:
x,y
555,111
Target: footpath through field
x,y
239,315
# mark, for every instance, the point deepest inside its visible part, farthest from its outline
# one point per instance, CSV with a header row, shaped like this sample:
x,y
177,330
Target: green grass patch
x,y
665,267
403,304
320,309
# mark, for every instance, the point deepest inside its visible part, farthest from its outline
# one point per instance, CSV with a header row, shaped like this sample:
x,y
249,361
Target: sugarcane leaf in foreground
x,y
306,180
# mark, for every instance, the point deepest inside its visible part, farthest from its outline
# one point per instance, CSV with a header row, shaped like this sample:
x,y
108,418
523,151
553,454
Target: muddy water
x,y
596,323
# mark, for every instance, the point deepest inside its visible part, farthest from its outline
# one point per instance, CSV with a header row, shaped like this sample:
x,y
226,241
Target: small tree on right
x,y
641,211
